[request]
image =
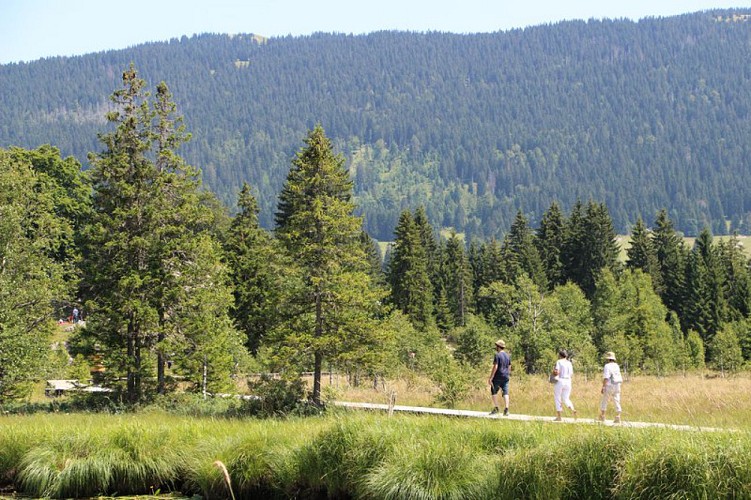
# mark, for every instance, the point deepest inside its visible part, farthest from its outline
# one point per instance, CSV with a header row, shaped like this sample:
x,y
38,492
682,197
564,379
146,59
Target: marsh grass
x,y
366,455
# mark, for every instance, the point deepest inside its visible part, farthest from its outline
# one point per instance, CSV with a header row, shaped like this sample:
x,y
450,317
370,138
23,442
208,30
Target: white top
x,y
612,373
565,368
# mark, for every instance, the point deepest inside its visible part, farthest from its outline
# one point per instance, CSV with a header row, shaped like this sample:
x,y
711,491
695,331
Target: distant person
x,y
611,387
563,371
499,377
75,315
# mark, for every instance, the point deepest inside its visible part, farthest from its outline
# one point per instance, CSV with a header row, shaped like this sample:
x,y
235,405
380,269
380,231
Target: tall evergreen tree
x,y
735,268
550,244
316,226
411,289
706,307
642,254
591,245
458,278
155,280
257,268
671,256
520,255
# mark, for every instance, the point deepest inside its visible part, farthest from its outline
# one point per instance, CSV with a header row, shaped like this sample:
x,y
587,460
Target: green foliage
x,y
429,118
409,274
696,351
154,279
32,272
365,456
473,341
725,352
334,309
272,397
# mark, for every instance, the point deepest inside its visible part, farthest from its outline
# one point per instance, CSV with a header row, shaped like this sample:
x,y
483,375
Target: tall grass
x,y
358,455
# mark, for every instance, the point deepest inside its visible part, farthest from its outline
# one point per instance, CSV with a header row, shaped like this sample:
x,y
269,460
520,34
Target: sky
x,y
34,29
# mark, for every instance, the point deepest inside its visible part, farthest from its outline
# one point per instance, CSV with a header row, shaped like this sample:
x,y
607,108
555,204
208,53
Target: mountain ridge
x,y
641,115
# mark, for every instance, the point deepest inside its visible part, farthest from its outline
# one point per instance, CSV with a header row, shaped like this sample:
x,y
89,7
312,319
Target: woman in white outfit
x,y
563,371
611,387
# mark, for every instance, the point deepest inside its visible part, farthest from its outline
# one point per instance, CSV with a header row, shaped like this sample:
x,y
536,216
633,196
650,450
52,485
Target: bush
x,y
272,397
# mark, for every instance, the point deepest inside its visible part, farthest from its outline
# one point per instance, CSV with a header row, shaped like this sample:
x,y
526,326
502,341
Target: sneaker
x,y
601,418
617,419
557,419
505,412
494,412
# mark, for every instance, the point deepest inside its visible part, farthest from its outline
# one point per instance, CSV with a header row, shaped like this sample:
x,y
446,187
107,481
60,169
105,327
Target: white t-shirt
x,y
565,368
612,372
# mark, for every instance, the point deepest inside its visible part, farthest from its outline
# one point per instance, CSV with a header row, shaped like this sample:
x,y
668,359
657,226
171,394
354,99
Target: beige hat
x,y
610,355
500,343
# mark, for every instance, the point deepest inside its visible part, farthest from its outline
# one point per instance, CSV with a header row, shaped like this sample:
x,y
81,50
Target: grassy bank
x,y
365,456
697,399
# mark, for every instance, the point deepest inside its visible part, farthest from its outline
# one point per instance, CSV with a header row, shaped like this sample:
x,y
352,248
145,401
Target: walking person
x,y
563,371
499,377
611,387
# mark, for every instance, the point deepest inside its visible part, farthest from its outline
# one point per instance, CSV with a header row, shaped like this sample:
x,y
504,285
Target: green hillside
x,y
641,115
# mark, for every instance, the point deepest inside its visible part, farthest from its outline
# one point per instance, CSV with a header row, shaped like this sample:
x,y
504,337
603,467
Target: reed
x,y
366,455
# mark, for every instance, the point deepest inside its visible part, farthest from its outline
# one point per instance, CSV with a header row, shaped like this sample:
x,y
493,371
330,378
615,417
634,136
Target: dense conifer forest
x,y
477,127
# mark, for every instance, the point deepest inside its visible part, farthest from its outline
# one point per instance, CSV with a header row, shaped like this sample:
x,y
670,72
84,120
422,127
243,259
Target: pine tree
x,y
642,254
550,241
706,307
735,269
155,280
257,269
411,289
671,260
458,279
520,255
337,302
591,245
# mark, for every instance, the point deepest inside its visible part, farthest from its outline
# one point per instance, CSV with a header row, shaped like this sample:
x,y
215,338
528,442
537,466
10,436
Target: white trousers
x,y
614,391
562,394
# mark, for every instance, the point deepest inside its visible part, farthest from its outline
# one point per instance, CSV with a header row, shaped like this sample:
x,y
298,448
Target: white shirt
x,y
612,373
565,368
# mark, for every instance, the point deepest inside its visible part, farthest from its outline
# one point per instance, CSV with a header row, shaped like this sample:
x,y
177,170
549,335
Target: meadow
x,y
345,454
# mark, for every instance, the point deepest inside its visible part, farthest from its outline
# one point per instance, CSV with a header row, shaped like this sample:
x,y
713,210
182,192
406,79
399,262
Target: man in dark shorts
x,y
499,376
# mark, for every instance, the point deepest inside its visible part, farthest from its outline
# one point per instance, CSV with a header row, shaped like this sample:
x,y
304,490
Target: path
x,y
524,418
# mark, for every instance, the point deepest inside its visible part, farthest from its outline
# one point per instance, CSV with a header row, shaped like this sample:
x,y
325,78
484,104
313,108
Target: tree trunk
x,y
130,362
317,378
318,354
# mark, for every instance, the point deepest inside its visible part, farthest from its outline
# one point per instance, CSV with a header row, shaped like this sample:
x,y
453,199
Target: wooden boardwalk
x,y
523,418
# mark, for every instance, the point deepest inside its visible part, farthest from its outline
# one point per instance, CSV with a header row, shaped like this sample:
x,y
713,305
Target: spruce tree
x,y
156,285
520,255
642,254
337,302
411,289
671,256
591,245
458,279
706,306
257,269
550,241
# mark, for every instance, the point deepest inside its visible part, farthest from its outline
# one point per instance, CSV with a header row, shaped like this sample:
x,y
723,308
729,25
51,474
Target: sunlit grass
x,y
695,399
366,455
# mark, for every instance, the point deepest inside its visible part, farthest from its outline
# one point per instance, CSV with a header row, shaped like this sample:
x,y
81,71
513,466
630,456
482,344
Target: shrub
x,y
277,397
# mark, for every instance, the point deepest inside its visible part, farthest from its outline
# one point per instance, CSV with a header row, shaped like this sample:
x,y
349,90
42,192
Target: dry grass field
x,y
701,399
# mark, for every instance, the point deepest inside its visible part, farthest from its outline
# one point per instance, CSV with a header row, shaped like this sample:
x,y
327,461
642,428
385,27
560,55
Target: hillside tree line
x,y
176,289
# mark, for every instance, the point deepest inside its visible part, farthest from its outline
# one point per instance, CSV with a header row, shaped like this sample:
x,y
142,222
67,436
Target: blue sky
x,y
32,29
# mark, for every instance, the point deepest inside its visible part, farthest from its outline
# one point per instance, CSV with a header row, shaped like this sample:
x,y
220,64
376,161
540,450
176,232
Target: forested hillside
x,y
640,115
